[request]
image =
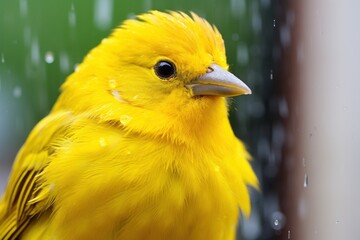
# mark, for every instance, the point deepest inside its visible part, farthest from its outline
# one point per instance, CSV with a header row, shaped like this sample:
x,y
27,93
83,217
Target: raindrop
x,y
301,208
23,7
103,142
303,162
256,108
290,18
289,234
112,83
51,186
64,62
283,108
72,16
17,92
103,13
274,23
256,20
2,58
76,67
271,75
117,96
35,52
278,220
131,16
265,3
104,40
148,5
242,54
238,7
285,36
49,57
337,222
135,97
306,180
125,119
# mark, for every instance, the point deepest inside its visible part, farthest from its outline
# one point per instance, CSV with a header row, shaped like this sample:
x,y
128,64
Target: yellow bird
x,y
138,144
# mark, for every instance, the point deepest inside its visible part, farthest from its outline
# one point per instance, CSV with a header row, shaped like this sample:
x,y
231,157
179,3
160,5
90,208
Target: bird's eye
x,y
165,69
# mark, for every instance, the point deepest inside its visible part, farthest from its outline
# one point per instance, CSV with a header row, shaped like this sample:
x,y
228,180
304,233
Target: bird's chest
x,y
151,192
190,199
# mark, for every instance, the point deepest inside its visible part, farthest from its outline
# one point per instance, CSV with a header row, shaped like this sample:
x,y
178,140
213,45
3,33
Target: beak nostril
x,y
209,70
219,82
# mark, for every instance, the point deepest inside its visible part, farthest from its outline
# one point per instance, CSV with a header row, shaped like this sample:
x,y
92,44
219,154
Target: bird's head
x,y
162,62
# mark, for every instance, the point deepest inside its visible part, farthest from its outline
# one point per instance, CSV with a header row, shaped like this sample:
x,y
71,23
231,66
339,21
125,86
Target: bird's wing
x,y
25,196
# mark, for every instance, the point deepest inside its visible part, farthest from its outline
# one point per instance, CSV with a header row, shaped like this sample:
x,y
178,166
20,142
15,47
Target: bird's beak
x,y
219,82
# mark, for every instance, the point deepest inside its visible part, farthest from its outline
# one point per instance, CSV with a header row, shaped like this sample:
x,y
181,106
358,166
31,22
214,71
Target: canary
x,y
138,144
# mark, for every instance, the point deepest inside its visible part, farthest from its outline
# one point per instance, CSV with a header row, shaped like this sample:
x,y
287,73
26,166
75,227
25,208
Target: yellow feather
x,y
127,155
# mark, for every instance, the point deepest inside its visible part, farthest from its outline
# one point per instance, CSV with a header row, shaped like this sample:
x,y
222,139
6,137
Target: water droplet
x,y
289,234
306,180
117,96
72,7
148,5
51,186
64,62
23,7
128,152
125,119
72,16
283,108
274,23
337,222
135,97
285,36
238,7
103,11
35,51
271,75
256,22
278,220
242,54
265,3
112,83
217,168
17,92
76,67
49,57
131,16
103,142
2,58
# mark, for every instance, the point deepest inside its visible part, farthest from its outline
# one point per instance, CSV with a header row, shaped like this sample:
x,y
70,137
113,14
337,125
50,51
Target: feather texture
x,y
126,155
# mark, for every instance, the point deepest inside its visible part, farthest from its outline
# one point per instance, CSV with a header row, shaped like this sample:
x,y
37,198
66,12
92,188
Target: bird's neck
x,y
179,119
188,123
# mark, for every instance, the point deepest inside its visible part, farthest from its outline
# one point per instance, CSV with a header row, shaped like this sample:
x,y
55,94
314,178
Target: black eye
x,y
165,69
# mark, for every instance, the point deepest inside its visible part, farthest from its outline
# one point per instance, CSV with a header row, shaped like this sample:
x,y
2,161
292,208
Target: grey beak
x,y
219,82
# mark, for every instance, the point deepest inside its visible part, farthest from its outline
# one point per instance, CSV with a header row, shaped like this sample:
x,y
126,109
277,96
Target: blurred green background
x,y
41,42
